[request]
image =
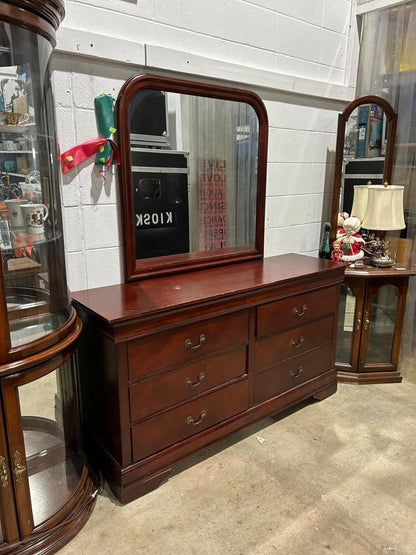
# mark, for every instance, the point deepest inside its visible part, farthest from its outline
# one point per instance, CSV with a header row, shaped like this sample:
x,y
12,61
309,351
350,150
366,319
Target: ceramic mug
x,y
14,209
23,118
34,216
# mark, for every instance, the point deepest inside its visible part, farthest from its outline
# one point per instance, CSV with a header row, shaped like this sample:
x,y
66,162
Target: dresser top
x,y
117,303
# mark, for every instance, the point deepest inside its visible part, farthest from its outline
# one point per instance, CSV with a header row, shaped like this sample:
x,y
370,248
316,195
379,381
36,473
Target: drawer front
x,y
292,372
186,343
155,394
270,350
160,432
295,311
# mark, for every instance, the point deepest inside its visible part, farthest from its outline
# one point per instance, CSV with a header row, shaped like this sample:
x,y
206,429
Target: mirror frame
x,y
339,152
144,268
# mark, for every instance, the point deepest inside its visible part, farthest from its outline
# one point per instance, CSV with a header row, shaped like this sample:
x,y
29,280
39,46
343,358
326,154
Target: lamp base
x,y
379,262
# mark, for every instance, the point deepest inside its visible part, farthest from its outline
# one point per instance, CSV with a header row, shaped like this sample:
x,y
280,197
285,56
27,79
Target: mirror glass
x,y
364,155
193,194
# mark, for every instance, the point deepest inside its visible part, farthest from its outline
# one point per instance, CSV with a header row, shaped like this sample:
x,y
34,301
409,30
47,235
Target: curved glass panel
x,y
51,435
345,324
382,322
31,242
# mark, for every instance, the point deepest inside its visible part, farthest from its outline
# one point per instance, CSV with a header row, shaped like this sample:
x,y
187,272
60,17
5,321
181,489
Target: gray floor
x,y
336,476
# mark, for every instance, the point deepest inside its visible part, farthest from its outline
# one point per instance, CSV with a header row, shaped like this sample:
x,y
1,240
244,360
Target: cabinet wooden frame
x,y
364,286
144,268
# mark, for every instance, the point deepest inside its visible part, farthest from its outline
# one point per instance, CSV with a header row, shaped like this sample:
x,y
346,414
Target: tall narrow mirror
x,y
364,152
193,169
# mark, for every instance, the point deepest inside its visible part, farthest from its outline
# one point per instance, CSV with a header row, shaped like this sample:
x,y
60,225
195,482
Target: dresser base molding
x,y
140,478
369,377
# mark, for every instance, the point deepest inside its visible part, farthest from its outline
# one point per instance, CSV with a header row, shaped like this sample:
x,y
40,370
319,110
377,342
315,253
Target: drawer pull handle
x,y
295,344
358,321
190,420
296,374
201,377
202,339
296,311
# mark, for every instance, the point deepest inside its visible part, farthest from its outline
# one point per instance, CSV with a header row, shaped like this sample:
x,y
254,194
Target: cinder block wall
x,y
300,57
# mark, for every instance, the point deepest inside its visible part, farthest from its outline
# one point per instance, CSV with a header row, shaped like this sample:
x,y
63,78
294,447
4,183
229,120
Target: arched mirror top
x,y
366,137
192,172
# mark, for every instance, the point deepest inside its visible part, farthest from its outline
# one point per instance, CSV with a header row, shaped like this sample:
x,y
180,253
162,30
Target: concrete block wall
x,y
298,56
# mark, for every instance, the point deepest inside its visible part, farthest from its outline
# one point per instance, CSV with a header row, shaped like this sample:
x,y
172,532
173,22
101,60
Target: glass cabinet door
x,y
32,269
46,457
379,324
349,325
8,521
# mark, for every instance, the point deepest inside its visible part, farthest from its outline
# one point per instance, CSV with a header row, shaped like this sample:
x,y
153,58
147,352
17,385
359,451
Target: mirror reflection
x,y
364,156
193,164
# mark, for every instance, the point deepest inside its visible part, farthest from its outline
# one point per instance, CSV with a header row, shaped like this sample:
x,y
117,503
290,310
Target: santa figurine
x,y
342,216
351,240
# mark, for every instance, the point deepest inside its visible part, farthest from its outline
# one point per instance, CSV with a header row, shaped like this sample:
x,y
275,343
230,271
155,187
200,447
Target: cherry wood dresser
x,y
171,364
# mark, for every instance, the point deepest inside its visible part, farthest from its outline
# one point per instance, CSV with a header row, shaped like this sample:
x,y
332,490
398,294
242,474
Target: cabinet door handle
x,y
4,475
297,344
367,319
202,339
201,377
19,468
296,312
296,374
190,420
358,321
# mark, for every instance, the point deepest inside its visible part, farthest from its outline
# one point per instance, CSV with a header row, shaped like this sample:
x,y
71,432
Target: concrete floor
x,y
336,476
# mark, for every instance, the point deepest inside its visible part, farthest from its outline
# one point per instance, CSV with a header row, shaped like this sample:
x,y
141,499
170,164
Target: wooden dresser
x,y
171,364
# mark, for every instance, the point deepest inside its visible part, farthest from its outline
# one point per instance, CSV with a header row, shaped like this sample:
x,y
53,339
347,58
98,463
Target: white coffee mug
x,y
34,216
14,209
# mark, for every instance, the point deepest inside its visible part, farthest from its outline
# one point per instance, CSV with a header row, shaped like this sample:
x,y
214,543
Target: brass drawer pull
x,y
19,468
202,339
4,475
296,374
295,344
190,420
296,311
201,377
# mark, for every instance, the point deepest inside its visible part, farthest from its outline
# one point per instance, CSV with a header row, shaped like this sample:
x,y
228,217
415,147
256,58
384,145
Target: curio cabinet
x,y
46,489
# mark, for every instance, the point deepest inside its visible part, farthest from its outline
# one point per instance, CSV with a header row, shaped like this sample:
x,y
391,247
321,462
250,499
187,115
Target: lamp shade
x,y
384,208
359,203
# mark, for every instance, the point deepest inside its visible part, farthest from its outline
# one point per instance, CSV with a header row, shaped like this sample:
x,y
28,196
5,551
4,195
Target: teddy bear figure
x,y
351,240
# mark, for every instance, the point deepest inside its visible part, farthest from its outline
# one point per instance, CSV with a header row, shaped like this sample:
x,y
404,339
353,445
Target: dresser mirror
x,y
364,151
192,172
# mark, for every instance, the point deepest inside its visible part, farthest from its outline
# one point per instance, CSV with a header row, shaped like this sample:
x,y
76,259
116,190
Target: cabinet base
x,y
51,540
369,377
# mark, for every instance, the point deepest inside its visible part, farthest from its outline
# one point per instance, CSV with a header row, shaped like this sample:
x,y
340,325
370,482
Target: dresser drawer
x,y
160,432
186,343
155,394
270,350
295,311
292,372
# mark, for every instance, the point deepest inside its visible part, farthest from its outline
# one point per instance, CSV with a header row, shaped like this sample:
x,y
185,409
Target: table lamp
x,y
360,200
384,212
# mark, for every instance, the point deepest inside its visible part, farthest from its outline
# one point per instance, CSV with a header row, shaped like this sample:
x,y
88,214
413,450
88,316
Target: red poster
x,y
212,202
